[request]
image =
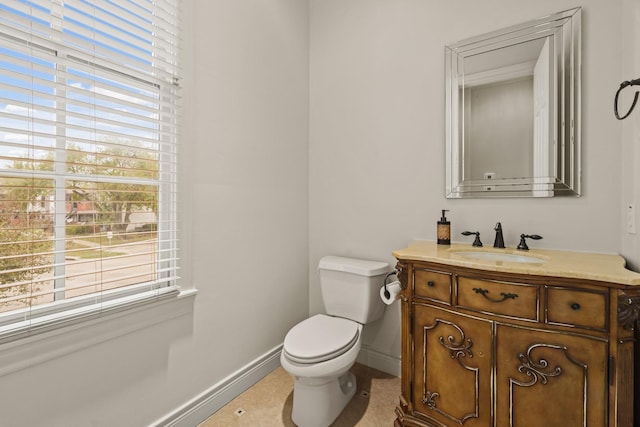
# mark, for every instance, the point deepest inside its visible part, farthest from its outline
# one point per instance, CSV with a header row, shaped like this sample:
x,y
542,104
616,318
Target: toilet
x,y
320,350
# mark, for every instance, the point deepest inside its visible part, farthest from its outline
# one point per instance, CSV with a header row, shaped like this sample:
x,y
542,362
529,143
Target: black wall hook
x,y
635,98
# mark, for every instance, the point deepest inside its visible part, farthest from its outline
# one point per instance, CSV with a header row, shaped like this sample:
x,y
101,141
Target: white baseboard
x,y
380,361
211,400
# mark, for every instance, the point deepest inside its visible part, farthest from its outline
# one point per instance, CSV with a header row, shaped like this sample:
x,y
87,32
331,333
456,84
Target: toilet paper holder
x,y
387,294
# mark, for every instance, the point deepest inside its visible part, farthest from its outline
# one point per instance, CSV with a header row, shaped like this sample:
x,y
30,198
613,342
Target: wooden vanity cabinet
x,y
485,348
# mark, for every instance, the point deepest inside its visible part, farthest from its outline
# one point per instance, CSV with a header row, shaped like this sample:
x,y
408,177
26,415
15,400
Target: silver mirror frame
x,y
564,32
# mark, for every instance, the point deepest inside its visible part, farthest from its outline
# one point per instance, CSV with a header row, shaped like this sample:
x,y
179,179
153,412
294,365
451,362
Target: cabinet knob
x,y
430,284
575,306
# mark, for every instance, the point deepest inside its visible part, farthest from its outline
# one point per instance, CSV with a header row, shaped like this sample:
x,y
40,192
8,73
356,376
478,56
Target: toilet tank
x,y
351,287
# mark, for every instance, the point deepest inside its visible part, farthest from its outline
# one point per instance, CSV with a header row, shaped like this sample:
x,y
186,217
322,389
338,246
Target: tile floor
x,y
268,403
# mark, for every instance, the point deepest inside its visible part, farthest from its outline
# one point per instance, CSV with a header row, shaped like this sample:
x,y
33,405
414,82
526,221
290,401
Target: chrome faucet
x,y
499,241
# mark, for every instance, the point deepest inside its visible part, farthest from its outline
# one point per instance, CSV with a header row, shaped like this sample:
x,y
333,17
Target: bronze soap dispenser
x,y
444,230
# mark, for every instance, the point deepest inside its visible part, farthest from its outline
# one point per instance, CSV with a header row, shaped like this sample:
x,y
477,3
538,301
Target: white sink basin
x,y
498,256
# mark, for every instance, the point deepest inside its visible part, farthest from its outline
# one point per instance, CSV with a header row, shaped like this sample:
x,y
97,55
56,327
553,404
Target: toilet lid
x,y
320,338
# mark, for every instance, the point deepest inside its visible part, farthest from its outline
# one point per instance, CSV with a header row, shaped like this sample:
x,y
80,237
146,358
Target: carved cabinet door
x,y
547,379
452,368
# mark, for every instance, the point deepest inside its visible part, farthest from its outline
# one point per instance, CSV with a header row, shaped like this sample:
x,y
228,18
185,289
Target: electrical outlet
x,y
489,175
631,218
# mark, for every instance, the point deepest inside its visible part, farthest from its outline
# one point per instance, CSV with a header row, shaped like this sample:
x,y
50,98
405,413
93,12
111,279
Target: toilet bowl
x,y
320,350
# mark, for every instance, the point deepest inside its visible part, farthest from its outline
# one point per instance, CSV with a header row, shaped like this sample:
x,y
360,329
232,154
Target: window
x,y
88,158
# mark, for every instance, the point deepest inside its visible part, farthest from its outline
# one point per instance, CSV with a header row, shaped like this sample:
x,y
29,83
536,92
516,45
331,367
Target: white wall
x,y
377,134
245,222
630,51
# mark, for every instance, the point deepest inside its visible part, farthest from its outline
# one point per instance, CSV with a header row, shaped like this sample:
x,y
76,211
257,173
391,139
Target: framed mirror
x,y
513,110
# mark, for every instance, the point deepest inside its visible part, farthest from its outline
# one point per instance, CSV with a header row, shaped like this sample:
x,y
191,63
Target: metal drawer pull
x,y
430,284
505,296
575,306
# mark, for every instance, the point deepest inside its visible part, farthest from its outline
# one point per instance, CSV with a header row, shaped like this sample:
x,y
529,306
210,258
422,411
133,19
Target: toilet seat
x,y
320,338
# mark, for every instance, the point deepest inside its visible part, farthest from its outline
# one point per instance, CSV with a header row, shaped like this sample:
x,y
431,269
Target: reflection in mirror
x,y
513,111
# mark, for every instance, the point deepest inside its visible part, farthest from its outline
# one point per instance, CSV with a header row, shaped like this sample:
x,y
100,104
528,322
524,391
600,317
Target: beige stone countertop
x,y
581,265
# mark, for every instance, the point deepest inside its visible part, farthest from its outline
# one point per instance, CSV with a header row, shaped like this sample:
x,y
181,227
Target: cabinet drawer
x,y
506,299
579,308
432,285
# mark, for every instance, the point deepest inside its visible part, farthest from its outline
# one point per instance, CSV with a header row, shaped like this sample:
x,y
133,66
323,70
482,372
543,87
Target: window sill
x,y
86,331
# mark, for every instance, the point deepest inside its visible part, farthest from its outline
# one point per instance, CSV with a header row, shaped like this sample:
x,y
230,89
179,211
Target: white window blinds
x,y
88,157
